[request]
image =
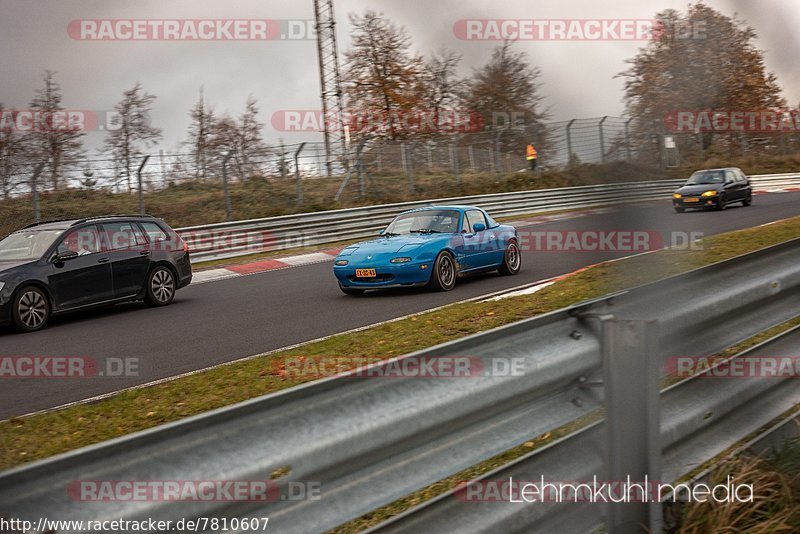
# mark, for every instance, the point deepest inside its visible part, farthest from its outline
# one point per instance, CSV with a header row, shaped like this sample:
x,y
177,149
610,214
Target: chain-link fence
x,y
287,177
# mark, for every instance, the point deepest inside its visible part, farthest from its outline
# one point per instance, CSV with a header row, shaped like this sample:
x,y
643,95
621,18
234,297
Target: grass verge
x,y
776,504
30,438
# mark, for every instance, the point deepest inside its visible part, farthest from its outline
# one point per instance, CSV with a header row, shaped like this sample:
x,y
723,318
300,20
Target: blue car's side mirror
x,y
478,227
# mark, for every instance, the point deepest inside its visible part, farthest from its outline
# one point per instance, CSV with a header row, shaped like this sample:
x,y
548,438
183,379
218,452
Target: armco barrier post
x,y
631,372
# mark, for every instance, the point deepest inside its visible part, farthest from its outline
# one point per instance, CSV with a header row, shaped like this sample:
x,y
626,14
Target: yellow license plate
x,y
691,199
365,273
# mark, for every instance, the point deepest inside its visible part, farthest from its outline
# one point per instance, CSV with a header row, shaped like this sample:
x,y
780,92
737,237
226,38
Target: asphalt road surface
x,y
224,320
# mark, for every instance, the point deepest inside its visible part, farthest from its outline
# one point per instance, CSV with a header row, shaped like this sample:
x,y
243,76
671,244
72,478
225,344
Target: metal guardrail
x,y
368,441
232,239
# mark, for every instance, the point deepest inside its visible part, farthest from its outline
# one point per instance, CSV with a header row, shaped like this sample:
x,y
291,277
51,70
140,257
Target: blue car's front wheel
x,y
443,277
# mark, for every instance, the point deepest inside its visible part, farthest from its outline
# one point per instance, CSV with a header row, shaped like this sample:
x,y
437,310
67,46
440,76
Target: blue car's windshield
x,y
706,177
27,245
427,221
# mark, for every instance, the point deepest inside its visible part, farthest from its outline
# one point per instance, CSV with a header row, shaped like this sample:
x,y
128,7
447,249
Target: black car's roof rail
x,y
101,217
50,221
86,219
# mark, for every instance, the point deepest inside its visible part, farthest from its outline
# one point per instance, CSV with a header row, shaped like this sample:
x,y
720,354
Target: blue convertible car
x,y
430,246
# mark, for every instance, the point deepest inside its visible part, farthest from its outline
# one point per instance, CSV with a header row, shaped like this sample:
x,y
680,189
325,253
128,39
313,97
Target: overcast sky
x,y
578,77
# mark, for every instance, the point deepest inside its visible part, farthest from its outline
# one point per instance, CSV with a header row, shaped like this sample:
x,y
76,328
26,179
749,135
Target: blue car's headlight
x,y
341,263
403,259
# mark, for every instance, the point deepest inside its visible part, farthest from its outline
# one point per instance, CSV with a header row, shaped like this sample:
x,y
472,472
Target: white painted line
x,y
529,291
212,275
305,259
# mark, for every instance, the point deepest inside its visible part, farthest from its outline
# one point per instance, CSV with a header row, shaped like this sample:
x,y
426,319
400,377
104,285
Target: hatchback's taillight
x,y
185,246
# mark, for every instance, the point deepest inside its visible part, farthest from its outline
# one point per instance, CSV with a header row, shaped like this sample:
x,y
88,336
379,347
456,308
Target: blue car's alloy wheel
x,y
512,260
443,277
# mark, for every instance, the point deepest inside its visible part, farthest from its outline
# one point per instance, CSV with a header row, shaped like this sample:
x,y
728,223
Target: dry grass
x,y
776,502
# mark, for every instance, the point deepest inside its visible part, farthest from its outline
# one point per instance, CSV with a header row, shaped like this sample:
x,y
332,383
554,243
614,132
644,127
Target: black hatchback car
x,y
713,188
55,267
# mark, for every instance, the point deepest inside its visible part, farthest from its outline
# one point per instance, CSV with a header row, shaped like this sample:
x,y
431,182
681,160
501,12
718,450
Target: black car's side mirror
x,y
64,255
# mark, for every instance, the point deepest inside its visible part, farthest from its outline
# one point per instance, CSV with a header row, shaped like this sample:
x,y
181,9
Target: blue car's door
x,y
481,246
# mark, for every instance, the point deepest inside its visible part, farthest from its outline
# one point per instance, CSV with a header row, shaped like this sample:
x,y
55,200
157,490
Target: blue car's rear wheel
x,y
512,260
443,277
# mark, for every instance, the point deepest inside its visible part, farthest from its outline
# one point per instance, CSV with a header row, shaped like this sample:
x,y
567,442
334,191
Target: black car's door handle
x,y
102,260
144,253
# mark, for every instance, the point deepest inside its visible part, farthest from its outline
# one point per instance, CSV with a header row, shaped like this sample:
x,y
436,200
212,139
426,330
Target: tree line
x,y
384,76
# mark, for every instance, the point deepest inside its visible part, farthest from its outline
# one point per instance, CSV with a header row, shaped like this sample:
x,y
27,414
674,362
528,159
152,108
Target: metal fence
x,y
368,441
561,144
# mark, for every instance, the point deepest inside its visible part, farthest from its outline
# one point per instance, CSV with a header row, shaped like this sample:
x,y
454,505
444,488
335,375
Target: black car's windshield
x,y
706,177
27,245
427,221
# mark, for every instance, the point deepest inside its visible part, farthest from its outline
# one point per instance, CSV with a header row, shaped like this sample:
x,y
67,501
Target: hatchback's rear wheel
x,y
31,309
160,287
748,200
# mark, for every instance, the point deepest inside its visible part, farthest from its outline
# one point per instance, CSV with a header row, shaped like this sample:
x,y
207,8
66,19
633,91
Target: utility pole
x,y
330,84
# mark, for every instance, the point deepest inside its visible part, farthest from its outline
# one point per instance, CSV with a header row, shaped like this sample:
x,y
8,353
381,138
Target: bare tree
x,y
131,129
199,144
442,86
251,144
53,141
12,152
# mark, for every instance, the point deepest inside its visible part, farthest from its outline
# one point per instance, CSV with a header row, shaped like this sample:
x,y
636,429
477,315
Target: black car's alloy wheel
x,y
31,309
160,287
747,200
512,260
443,277
722,203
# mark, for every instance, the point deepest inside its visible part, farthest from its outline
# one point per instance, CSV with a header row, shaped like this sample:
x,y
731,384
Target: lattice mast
x,y
330,84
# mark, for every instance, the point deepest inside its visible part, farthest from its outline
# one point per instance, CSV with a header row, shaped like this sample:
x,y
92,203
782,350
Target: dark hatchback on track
x,y
713,188
56,267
